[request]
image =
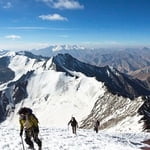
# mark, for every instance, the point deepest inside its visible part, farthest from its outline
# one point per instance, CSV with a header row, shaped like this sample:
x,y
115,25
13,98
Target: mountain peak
x,y
115,81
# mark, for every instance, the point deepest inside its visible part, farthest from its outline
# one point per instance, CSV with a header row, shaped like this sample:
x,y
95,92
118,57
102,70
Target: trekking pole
x,y
22,143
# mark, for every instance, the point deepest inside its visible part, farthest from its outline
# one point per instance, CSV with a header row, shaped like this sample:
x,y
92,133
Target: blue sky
x,y
27,24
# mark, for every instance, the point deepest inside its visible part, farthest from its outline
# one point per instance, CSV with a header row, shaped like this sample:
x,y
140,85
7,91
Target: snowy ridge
x,y
116,82
21,65
55,96
3,52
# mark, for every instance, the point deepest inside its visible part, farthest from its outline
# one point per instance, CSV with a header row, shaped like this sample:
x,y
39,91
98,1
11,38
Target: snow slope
x,y
63,139
57,97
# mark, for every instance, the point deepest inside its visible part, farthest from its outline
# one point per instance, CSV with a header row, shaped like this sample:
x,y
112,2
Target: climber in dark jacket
x,y
74,124
29,124
96,126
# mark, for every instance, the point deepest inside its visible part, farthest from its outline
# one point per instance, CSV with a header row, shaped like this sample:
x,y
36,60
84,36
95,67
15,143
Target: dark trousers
x,y
32,133
96,129
74,129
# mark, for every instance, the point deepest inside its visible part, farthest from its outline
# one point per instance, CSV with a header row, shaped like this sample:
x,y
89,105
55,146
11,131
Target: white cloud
x,y
26,28
53,17
7,5
68,4
13,37
63,4
37,28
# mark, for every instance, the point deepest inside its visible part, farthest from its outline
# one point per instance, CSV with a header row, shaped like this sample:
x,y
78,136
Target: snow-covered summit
x,y
112,78
67,47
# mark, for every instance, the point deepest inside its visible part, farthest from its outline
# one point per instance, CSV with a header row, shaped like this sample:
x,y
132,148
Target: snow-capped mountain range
x,y
61,86
133,61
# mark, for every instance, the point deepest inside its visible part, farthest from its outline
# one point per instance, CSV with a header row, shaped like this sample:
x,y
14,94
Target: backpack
x,y
73,122
97,123
33,120
25,110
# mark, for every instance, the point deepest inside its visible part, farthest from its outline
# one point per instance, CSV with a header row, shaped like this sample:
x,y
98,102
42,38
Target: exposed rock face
x,y
142,74
13,94
110,110
145,111
6,73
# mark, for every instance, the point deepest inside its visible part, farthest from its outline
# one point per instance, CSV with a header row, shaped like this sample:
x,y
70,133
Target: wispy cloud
x,y
63,4
53,17
7,5
68,4
13,37
37,28
26,28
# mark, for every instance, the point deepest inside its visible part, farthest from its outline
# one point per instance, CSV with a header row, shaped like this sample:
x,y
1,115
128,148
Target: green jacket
x,y
28,121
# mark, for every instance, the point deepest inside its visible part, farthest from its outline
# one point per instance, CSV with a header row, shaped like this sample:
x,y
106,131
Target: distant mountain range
x,y
133,61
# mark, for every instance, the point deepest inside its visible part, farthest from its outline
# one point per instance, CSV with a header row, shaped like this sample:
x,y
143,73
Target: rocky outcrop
x,y
111,110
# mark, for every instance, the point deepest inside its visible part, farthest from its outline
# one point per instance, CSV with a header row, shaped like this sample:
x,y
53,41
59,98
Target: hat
x,y
25,110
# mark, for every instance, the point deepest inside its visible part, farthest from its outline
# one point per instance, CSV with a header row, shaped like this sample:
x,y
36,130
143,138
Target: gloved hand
x,y
21,132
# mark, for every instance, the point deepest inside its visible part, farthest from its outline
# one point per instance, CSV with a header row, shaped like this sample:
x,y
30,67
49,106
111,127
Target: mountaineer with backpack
x,y
74,124
29,124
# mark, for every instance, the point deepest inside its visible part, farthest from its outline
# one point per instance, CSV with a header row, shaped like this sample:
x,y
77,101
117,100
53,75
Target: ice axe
x,y
22,143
